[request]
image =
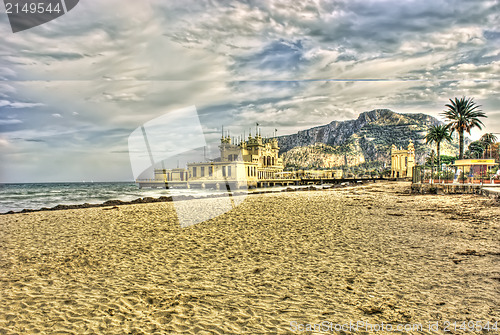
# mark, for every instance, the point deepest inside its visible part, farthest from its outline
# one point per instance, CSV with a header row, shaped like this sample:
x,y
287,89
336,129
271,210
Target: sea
x,y
16,197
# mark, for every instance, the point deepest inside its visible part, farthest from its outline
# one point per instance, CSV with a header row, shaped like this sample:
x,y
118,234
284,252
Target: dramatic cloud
x,y
5,103
72,90
11,121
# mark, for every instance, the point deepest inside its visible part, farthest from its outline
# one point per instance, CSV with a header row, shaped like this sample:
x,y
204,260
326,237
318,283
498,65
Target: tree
x,y
447,159
488,140
431,159
494,151
475,149
463,115
437,134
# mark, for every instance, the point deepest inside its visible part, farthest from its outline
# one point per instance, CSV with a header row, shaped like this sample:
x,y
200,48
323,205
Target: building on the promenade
x,y
402,161
251,163
176,175
240,164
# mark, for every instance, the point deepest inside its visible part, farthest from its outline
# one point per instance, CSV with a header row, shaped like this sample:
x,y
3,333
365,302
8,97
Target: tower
x,y
402,161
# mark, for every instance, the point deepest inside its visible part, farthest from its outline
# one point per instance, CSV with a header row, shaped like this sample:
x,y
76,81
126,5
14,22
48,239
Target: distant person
x,y
457,175
471,177
496,175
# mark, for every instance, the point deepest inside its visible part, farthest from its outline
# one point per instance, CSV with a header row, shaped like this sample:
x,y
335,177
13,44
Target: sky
x,y
73,90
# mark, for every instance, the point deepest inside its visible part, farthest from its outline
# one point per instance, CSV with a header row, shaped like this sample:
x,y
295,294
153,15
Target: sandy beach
x,y
371,253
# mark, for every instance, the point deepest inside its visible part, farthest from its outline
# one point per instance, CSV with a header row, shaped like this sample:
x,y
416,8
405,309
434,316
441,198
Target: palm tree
x,y
463,115
437,134
488,139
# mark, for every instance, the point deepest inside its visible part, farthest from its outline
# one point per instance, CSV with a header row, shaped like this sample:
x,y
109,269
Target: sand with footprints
x,y
373,253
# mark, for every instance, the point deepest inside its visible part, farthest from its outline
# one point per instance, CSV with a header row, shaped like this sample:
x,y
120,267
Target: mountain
x,y
366,140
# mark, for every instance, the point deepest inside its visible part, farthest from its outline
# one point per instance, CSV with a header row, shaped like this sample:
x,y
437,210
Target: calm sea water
x,y
16,197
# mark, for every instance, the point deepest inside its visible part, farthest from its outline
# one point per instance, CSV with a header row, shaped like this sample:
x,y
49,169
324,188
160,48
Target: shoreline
x,y
146,200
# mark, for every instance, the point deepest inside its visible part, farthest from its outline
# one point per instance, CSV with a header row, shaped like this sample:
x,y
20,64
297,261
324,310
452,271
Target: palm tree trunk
x,y
461,137
439,156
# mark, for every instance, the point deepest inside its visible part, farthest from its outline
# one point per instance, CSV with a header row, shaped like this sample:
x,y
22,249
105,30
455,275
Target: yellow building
x,y
402,161
473,169
241,165
171,175
251,163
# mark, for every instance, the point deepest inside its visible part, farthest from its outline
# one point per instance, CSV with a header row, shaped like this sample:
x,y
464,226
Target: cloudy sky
x,y
74,89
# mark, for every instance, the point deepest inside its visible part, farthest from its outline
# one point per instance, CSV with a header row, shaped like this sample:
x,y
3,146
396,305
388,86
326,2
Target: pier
x,y
221,184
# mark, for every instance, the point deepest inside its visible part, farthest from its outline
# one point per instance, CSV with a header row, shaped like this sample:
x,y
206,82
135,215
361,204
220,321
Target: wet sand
x,y
373,253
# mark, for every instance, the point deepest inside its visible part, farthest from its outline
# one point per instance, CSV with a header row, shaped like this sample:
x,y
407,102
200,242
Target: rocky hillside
x,y
364,140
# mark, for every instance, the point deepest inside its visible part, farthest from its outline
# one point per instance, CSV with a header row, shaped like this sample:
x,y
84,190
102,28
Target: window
x,y
194,172
223,171
202,171
229,171
210,171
